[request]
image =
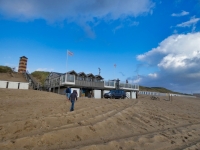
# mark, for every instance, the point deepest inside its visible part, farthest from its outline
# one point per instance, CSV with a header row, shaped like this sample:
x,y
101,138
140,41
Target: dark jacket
x,y
68,90
73,96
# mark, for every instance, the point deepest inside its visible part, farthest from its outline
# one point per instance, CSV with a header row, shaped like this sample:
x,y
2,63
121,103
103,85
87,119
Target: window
x,y
80,78
70,78
63,78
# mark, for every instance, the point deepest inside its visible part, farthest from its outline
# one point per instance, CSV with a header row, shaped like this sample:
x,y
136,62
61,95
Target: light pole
x,y
114,70
99,70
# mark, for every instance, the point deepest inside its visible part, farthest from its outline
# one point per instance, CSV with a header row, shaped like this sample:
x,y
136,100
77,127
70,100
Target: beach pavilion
x,y
85,83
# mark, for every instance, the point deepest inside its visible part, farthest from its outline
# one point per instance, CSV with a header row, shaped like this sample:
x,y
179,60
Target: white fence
x,y
3,84
163,94
14,85
23,85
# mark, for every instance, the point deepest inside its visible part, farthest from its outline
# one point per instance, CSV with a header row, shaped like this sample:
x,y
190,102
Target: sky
x,y
152,43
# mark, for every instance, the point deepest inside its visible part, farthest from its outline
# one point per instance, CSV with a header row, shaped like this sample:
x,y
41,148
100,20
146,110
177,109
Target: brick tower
x,y
22,64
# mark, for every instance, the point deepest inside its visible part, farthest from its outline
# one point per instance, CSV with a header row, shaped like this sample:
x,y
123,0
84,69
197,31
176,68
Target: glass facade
x,y
70,78
109,83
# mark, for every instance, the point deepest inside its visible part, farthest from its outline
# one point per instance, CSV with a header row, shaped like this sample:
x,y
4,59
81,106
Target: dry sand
x,y
40,120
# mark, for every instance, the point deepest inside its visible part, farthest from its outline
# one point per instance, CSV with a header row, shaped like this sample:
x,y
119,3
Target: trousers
x,y
72,105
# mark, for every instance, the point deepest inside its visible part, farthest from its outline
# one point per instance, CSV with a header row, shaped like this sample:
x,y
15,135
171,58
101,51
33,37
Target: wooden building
x,y
85,83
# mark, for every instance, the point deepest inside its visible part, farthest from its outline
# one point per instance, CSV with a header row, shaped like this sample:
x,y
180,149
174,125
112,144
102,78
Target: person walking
x,y
68,92
73,98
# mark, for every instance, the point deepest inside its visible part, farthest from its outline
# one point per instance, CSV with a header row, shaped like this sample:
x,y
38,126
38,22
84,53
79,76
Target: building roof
x,y
72,72
90,75
55,73
24,57
98,76
82,74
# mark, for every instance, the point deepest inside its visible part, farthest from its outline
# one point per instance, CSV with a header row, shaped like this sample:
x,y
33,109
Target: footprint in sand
x,y
80,123
17,131
78,137
172,142
91,128
69,121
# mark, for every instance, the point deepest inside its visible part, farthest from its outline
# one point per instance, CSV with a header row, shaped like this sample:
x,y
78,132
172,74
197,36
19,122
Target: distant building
x,y
22,64
196,94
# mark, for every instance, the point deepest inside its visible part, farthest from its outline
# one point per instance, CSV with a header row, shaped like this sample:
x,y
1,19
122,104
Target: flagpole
x,y
114,71
67,61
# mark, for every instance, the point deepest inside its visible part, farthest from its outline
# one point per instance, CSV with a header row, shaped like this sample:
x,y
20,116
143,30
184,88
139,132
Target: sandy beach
x,y
38,120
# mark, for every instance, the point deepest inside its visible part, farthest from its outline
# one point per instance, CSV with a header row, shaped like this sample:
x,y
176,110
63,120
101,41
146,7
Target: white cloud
x,y
117,28
7,57
44,69
171,60
67,9
135,23
82,12
189,23
177,58
183,13
175,31
137,81
153,75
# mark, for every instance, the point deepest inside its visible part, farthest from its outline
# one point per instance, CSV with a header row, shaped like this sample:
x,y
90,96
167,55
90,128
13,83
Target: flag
x,y
70,53
115,65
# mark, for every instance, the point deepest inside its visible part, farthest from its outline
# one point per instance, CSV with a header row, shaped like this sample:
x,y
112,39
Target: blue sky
x,y
153,43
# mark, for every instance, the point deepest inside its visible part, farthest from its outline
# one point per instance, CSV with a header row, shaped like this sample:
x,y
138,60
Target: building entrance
x,y
87,92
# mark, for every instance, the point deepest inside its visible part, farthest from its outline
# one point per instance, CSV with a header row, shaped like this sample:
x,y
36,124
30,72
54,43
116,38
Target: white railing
x,y
128,86
89,83
112,84
109,84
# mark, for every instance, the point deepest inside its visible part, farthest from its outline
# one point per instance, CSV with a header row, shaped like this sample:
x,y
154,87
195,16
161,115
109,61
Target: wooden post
x,y
169,96
59,86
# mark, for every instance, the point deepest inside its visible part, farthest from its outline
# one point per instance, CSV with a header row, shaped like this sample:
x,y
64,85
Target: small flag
x,y
115,65
70,53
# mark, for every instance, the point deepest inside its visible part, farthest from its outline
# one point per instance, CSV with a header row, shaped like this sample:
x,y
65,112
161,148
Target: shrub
x,y
5,69
40,76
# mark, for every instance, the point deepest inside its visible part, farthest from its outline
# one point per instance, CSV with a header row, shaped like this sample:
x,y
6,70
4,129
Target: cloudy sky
x,y
153,43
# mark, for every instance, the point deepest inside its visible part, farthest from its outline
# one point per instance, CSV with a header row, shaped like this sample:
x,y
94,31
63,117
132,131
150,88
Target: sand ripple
x,y
40,120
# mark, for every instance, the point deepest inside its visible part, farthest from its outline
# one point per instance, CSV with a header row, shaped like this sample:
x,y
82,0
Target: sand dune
x,y
40,120
16,77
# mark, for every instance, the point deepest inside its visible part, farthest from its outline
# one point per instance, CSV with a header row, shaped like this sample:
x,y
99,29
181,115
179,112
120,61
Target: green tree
x,y
5,69
40,76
